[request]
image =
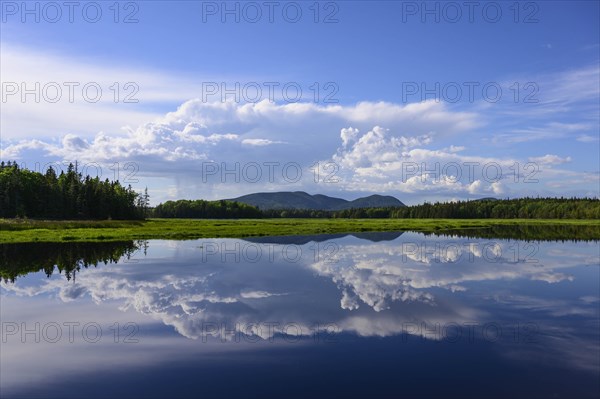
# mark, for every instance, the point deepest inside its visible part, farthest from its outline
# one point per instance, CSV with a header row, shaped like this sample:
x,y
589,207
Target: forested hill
x,y
302,200
24,193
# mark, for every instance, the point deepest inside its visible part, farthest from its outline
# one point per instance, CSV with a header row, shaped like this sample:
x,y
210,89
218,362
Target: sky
x,y
425,101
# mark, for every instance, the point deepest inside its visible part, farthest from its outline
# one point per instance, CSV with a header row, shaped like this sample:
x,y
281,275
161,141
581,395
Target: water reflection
x,y
517,302
22,259
535,232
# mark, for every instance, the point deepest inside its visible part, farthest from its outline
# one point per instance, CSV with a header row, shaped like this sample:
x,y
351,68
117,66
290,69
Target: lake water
x,y
365,315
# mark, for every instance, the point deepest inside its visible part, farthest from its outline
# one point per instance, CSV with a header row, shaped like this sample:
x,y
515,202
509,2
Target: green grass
x,y
15,231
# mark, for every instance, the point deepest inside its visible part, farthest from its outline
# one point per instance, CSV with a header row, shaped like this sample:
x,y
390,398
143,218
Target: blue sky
x,y
387,75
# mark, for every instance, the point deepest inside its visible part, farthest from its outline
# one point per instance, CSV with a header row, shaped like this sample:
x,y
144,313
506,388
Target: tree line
x,y
517,208
200,209
25,193
522,208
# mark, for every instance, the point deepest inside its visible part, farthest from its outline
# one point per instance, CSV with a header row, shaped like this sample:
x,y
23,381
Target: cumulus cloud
x,y
197,125
178,143
348,301
380,160
348,134
371,140
371,147
378,146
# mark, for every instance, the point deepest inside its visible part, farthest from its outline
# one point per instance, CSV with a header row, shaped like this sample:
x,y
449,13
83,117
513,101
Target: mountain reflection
x,y
373,236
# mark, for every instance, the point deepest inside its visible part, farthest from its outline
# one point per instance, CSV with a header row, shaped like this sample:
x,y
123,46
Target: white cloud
x,y
456,148
552,130
550,159
349,301
474,187
348,134
371,142
584,138
250,294
552,106
497,188
73,111
227,133
382,161
259,142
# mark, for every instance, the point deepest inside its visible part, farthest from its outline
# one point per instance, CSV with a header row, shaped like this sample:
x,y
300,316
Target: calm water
x,y
366,315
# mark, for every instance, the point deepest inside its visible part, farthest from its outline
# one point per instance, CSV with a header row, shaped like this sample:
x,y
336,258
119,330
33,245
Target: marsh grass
x,y
28,224
15,231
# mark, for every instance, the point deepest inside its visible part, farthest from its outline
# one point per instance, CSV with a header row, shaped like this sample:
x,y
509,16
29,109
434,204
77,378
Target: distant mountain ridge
x,y
302,200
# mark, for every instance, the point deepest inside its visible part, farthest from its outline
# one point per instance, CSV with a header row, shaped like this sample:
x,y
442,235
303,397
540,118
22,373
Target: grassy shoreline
x,y
13,231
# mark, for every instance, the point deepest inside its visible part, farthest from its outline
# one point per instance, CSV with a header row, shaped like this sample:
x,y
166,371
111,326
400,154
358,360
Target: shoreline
x,y
23,231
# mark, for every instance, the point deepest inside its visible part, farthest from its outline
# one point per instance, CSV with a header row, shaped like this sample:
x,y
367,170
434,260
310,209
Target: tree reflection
x,y
20,259
528,232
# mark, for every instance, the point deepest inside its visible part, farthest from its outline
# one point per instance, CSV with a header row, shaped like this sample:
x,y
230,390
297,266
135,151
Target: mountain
x,y
372,201
302,200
